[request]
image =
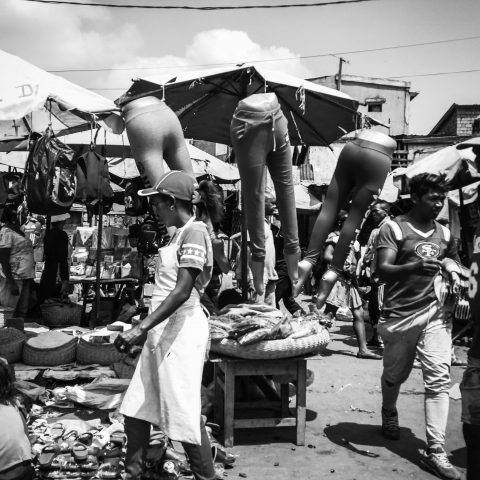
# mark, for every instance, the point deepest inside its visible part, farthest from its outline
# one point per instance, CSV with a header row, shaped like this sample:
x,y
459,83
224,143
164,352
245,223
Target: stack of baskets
x,y
50,349
102,353
11,344
61,313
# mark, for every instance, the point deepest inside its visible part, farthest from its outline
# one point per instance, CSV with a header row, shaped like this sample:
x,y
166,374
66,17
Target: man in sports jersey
x,y
412,249
470,385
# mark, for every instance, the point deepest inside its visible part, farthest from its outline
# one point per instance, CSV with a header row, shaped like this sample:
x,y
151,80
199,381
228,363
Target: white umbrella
x,y
25,88
457,165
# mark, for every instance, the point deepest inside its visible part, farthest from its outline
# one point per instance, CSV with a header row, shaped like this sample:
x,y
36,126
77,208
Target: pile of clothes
x,y
252,323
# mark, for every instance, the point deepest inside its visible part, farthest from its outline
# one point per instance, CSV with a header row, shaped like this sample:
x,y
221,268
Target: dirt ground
x,y
343,439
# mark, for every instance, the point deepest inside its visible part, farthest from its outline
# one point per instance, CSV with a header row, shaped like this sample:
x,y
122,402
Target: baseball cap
x,y
472,142
176,183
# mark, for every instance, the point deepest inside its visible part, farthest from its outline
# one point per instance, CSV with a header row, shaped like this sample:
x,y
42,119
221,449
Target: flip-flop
x,y
47,455
86,438
56,430
369,356
110,451
80,451
118,438
110,469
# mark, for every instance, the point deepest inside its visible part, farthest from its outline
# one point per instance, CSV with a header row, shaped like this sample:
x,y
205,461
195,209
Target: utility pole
x,y
341,61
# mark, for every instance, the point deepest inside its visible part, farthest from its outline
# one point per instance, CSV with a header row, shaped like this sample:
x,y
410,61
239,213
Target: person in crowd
x,y
17,265
212,215
165,388
15,448
270,276
345,292
379,216
56,260
412,250
470,385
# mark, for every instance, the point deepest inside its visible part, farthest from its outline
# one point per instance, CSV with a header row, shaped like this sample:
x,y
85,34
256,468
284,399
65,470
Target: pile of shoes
x,y
71,454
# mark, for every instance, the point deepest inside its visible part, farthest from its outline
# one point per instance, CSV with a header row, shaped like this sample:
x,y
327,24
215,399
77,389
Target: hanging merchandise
x,y
151,237
135,205
10,189
49,178
93,182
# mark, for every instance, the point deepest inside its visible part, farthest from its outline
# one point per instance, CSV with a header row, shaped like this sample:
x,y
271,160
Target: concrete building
x,y
384,99
457,124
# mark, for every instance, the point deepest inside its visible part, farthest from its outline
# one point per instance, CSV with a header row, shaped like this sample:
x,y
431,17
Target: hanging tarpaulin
x,y
25,88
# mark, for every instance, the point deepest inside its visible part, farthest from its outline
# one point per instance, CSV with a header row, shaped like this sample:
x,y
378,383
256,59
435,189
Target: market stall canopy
x,y
304,200
111,146
457,165
25,88
204,101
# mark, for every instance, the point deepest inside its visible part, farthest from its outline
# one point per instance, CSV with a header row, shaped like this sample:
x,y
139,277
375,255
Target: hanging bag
x,y
93,182
49,179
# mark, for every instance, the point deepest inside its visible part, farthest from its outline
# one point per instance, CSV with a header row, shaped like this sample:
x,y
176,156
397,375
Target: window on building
x,y
374,107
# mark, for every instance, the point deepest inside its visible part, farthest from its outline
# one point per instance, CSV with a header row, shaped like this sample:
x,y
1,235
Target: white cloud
x,y
219,46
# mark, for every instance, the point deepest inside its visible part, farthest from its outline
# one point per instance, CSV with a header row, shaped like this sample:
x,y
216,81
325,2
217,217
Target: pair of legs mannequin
x,y
259,135
361,171
155,135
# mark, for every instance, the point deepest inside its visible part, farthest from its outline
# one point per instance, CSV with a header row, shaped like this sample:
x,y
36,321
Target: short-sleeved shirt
x,y
14,447
410,294
195,251
22,262
474,294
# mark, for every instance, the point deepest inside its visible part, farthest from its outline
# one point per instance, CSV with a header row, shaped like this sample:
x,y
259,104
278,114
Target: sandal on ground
x,y
80,451
110,469
56,430
85,438
110,451
47,455
369,356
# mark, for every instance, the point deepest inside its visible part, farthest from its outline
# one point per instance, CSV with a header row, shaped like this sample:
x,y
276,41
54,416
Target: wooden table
x,y
226,369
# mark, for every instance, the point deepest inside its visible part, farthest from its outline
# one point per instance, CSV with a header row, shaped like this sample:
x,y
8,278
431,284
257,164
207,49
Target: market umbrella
x,y
205,100
25,88
457,165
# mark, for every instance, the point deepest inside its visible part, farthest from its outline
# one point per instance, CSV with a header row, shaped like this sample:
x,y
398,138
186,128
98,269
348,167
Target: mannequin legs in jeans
x,y
155,134
259,134
138,436
361,171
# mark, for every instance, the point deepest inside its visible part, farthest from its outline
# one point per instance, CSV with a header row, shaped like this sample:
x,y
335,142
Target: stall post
x,y
94,319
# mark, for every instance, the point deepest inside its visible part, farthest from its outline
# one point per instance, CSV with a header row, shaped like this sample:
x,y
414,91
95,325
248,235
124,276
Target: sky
x,y
125,43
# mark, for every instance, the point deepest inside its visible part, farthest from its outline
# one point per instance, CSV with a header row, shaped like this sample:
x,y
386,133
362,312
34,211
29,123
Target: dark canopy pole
x,y
94,321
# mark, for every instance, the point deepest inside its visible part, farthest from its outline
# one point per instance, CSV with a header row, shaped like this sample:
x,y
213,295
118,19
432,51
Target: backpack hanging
x,y
134,204
49,178
93,182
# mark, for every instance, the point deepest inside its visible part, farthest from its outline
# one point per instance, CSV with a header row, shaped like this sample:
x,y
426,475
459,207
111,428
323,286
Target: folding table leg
x,y
229,405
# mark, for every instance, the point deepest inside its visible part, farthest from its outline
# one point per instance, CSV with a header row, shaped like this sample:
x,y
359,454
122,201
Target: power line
x,y
187,7
437,73
350,52
386,76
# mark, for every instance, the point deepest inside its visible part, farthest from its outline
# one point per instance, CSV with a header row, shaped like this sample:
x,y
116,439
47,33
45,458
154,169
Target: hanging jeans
x,y
155,135
259,135
138,436
359,176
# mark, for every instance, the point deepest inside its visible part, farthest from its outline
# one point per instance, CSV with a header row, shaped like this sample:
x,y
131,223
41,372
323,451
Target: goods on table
x,y
261,331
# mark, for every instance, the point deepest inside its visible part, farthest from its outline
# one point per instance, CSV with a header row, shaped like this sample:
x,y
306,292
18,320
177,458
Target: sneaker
x,y
390,426
436,460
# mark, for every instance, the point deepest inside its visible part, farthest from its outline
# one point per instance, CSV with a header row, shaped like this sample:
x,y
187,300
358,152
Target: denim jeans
x,y
138,436
259,135
427,334
155,135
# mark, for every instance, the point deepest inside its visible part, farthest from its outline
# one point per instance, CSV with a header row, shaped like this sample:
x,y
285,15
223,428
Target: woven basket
x,y
50,357
11,344
61,314
102,353
270,349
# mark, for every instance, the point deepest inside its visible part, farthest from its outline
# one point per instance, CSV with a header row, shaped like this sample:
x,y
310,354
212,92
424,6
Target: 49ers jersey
x,y
474,294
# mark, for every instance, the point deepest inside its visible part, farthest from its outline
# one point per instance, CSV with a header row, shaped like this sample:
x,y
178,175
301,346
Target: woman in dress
x,y
165,388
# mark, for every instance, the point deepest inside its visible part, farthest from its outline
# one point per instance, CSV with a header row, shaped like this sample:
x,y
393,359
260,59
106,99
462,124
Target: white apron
x,y
165,388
